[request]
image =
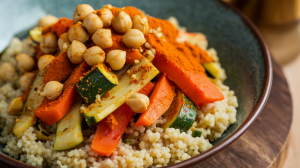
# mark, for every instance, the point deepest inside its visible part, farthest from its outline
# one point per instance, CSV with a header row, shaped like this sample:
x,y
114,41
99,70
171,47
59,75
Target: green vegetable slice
x,y
212,69
196,133
36,34
98,82
145,71
181,114
68,133
34,99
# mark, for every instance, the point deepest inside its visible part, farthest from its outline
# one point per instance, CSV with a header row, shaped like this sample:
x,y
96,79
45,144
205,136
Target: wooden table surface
x,y
292,73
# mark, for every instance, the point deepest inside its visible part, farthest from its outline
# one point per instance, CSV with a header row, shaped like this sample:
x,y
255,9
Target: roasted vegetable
x,y
98,82
182,113
15,106
68,133
145,72
34,99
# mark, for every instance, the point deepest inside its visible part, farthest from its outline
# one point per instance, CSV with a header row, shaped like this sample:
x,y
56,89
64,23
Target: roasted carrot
x,y
106,140
160,100
147,89
63,25
196,86
59,68
51,111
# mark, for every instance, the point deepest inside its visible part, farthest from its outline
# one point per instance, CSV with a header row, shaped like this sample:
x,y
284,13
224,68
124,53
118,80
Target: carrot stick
x,y
63,25
51,111
160,100
196,86
147,89
59,68
106,140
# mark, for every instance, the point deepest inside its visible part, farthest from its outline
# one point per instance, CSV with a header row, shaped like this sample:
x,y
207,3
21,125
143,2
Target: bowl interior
x,y
238,48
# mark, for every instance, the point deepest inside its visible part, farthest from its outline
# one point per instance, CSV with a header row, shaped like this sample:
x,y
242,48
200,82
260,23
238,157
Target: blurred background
x,y
279,23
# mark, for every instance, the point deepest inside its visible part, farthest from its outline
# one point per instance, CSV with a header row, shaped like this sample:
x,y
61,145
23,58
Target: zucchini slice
x,y
34,99
43,134
145,71
99,81
36,34
181,114
212,69
68,132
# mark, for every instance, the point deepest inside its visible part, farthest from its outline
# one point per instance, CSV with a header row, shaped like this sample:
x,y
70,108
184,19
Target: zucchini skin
x,y
146,71
33,100
182,113
69,133
95,83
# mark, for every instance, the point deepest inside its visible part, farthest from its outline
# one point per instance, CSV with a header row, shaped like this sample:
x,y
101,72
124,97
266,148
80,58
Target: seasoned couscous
x,y
126,101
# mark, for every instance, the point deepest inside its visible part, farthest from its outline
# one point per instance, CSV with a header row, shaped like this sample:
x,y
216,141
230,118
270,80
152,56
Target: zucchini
x,y
98,82
34,99
15,107
181,114
68,132
212,69
43,134
145,72
36,34
196,133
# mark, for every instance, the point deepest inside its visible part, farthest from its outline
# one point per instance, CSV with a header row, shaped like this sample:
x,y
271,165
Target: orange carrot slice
x,y
147,89
196,86
63,25
51,111
106,140
160,100
59,69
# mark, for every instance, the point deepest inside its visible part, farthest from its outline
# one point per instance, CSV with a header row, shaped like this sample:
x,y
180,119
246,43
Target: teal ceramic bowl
x,y
240,47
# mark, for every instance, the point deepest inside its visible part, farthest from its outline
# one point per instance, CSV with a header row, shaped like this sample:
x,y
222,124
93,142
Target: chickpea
x,y
106,16
92,23
133,38
140,23
81,12
138,102
7,71
25,62
77,32
44,61
63,42
94,55
102,38
52,90
116,59
75,52
47,21
26,80
49,43
122,22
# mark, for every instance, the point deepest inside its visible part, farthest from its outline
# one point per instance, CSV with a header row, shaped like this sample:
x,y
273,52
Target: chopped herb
x,y
127,141
196,133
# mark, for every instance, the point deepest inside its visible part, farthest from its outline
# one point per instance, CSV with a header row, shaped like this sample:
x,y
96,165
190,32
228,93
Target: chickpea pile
x,y
89,26
96,25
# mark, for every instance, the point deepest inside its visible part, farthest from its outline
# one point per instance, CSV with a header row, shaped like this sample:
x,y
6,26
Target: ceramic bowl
x,y
240,47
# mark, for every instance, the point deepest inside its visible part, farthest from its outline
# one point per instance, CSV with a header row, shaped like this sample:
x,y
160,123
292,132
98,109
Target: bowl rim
x,y
235,134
